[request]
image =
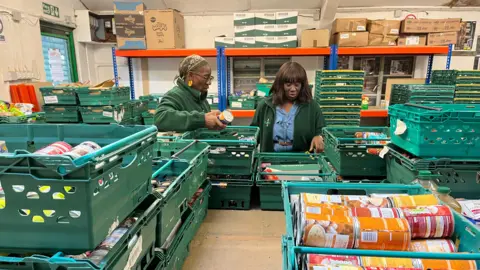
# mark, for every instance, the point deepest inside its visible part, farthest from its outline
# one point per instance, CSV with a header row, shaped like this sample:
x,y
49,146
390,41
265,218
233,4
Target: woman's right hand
x,y
212,122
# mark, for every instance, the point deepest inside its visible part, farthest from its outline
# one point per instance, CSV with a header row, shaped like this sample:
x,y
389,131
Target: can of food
x,y
434,221
449,264
389,268
83,149
433,245
326,209
366,202
415,200
336,267
328,231
312,260
225,117
347,200
391,263
56,148
313,199
375,212
382,233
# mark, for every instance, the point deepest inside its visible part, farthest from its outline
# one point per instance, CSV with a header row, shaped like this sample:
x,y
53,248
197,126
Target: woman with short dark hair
x,y
288,118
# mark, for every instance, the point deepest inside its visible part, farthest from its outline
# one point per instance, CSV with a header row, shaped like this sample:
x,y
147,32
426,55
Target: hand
x,y
317,144
212,122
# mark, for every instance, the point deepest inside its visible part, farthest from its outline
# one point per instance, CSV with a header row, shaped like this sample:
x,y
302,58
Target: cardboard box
x,y
381,40
227,42
430,25
349,25
412,40
130,25
287,29
384,27
313,38
165,29
265,30
351,39
440,39
287,17
244,18
244,42
244,31
265,18
287,42
266,42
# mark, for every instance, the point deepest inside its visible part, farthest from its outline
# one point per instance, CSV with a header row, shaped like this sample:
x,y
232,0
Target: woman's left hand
x,y
317,144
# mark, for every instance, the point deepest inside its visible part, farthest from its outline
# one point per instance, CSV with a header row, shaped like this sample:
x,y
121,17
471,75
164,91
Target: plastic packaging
x,y
443,195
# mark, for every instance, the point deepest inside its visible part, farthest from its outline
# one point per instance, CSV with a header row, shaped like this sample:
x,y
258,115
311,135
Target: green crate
x,y
430,100
228,194
327,168
466,101
232,149
340,109
36,118
60,95
340,73
349,155
468,80
13,119
339,88
62,114
148,119
264,88
437,130
466,234
213,101
341,117
195,153
339,82
108,96
446,77
169,136
340,95
467,87
461,176
152,100
134,250
104,114
467,94
342,122
116,177
339,102
242,103
138,107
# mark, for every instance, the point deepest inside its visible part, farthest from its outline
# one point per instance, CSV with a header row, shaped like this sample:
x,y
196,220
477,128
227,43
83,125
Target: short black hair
x,y
290,72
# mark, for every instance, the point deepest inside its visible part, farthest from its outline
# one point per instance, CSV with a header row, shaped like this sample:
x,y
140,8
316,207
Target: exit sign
x,y
51,10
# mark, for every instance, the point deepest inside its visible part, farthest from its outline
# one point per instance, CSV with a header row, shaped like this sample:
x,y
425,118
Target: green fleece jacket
x,y
182,109
308,123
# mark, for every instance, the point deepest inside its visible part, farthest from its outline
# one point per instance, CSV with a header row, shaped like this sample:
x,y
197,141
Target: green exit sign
x,y
51,10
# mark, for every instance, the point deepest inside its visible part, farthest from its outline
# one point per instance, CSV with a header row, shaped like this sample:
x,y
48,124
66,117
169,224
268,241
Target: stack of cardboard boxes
x,y
351,32
431,32
262,30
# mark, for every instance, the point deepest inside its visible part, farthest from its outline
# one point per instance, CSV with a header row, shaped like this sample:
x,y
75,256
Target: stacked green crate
x,y
339,94
152,101
242,102
422,94
466,82
105,105
61,104
213,101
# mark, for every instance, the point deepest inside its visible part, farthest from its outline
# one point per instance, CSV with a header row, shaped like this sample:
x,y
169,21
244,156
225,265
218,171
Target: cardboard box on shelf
x,y
129,25
265,30
266,42
245,18
287,29
245,42
349,25
287,17
287,41
351,39
314,38
265,18
165,29
412,40
384,27
430,25
227,42
382,40
244,31
440,39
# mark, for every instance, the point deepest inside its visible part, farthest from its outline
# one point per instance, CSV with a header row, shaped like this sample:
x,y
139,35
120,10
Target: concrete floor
x,y
238,240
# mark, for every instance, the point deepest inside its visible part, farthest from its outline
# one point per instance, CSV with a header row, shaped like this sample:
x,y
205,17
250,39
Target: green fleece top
x,y
182,109
308,123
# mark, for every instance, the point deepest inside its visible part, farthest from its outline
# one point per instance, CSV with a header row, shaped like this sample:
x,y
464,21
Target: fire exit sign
x,y
51,10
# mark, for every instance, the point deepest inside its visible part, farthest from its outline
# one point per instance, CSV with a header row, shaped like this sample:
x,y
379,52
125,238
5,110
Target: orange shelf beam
x,y
276,51
393,50
165,53
363,113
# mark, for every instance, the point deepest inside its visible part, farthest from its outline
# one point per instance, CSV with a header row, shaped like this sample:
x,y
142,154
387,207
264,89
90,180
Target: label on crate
x,y
209,101
134,253
107,114
50,99
236,104
215,100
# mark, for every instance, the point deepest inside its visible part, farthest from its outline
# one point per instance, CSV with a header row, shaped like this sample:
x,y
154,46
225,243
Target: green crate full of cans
x,y
62,114
242,102
103,96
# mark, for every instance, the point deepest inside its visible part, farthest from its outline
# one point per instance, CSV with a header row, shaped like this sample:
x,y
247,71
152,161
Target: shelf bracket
x,y
333,57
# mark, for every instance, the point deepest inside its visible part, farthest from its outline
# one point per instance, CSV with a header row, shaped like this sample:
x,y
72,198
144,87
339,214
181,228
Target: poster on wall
x,y
2,36
466,36
55,61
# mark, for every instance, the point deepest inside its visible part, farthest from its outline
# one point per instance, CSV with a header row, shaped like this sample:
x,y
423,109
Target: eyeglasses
x,y
205,77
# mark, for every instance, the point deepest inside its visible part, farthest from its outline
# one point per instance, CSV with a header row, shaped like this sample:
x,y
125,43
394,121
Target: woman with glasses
x,y
184,107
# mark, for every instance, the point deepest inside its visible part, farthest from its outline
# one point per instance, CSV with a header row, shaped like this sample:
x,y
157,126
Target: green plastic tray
x,y
230,194
138,107
104,114
468,94
340,109
466,101
437,130
339,82
117,177
351,158
340,73
339,88
13,119
232,149
134,250
327,168
97,97
60,95
467,87
242,103
466,234
339,102
340,95
342,122
62,114
341,117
